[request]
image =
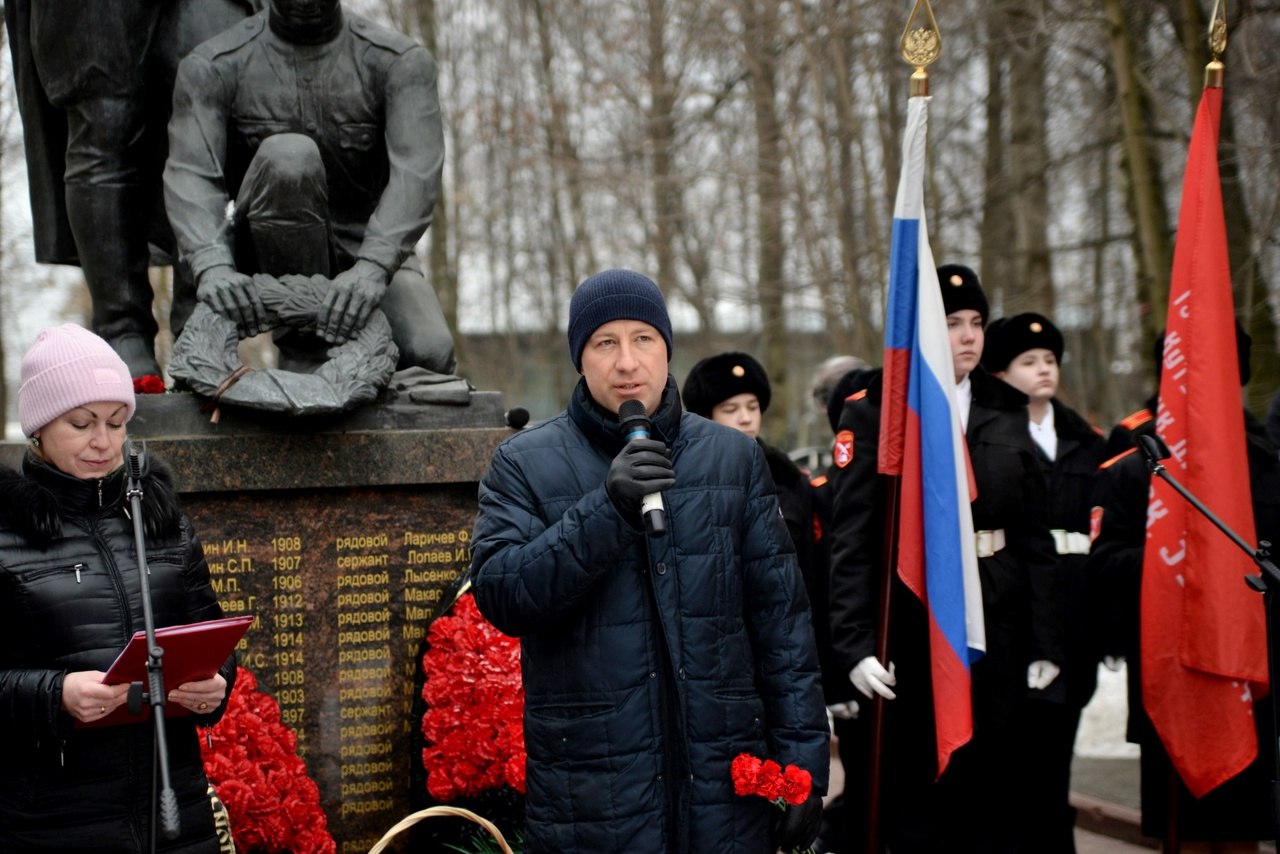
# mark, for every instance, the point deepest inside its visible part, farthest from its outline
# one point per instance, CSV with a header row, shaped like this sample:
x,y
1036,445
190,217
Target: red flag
x,y
1203,629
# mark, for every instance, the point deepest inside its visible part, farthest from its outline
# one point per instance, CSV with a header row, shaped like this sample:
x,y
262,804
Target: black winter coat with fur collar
x,y
70,598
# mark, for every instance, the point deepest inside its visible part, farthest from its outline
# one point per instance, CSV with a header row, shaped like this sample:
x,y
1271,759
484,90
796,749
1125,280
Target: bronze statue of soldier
x,y
93,79
308,141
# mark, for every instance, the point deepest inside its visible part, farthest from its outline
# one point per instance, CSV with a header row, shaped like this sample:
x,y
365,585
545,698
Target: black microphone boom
x,y
170,821
634,423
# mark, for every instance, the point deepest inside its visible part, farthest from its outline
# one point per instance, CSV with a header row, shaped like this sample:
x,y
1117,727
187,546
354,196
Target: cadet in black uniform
x,y
1026,352
967,808
1240,809
848,815
733,389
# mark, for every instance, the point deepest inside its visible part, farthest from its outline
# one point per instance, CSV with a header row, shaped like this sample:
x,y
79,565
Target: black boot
x,y
110,234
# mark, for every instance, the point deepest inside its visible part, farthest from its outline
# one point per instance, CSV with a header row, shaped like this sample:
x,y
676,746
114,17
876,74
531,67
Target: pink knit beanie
x,y
69,366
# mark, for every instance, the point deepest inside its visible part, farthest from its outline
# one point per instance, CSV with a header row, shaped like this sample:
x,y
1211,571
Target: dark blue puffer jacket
x,y
649,663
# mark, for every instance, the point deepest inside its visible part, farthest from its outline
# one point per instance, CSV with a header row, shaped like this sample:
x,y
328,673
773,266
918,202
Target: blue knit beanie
x,y
615,295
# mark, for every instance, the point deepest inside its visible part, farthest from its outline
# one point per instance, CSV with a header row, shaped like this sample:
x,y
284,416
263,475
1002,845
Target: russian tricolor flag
x,y
921,441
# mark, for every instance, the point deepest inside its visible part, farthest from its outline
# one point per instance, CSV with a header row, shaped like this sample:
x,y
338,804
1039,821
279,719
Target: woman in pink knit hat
x,y
70,598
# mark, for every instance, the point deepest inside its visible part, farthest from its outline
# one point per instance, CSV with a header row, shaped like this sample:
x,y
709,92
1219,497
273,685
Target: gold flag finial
x,y
1213,72
921,45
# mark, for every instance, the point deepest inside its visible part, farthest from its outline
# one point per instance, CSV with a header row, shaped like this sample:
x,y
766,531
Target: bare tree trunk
x,y
1153,250
1097,391
1031,288
761,51
662,140
847,327
565,166
998,230
1015,222
440,273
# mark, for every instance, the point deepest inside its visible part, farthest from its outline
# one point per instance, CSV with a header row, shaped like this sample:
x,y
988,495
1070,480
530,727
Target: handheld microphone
x,y
634,423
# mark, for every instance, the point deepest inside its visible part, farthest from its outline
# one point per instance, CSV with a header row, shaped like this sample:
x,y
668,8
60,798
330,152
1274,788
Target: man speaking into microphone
x,y
652,655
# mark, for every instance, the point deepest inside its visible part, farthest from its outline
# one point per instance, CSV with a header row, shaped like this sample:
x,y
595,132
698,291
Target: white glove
x,y
1113,662
1040,674
871,678
844,711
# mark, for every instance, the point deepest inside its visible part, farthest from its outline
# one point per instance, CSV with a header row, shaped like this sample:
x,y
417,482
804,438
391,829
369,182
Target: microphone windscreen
x,y
517,417
631,409
1153,447
136,453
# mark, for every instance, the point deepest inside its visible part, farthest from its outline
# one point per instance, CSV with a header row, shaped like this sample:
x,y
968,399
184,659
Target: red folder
x,y
191,652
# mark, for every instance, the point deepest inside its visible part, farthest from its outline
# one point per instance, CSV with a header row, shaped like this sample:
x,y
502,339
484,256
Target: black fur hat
x,y
851,383
717,378
961,289
1010,337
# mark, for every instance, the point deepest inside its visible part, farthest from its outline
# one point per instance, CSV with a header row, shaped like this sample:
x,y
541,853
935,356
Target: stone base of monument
x,y
340,535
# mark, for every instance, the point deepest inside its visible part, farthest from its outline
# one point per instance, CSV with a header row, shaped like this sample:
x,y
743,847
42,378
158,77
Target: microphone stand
x,y
155,695
1267,582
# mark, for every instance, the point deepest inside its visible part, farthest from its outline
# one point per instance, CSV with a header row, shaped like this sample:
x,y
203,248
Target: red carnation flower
x,y
148,384
769,780
744,770
796,785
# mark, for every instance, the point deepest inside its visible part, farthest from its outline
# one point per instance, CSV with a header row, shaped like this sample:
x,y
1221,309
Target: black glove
x,y
640,468
795,828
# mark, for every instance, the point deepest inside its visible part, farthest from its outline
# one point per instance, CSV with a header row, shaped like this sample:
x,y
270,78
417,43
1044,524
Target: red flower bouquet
x,y
752,776
783,787
251,760
474,724
148,384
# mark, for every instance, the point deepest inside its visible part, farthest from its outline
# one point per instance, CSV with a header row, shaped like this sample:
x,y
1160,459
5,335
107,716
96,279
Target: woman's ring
x,y
203,705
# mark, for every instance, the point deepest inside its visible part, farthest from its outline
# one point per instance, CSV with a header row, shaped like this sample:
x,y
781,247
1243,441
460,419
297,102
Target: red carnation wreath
x,y
474,724
251,760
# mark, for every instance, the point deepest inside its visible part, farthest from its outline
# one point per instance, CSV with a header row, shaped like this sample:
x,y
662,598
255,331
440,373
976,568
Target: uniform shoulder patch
x,y
842,450
1117,458
1095,523
1134,420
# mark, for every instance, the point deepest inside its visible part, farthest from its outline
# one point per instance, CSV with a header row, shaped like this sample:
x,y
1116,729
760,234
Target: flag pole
x,y
876,724
920,46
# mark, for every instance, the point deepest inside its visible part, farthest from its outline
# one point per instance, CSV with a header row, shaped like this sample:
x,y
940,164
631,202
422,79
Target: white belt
x,y
989,542
1070,542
